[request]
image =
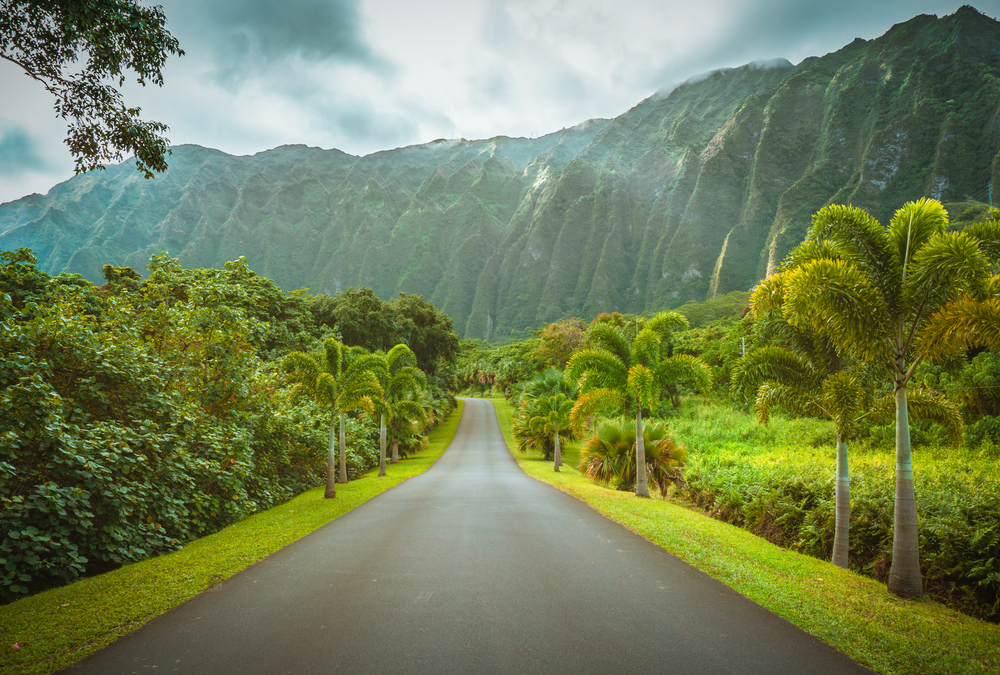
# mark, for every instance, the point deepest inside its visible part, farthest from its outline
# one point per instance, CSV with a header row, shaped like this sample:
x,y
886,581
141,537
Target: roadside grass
x,y
58,627
850,612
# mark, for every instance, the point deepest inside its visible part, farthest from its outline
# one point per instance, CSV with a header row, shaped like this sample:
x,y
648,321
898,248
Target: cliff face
x,y
685,196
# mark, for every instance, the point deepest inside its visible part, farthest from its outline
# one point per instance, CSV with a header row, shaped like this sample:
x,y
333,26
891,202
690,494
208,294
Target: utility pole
x,y
989,187
743,346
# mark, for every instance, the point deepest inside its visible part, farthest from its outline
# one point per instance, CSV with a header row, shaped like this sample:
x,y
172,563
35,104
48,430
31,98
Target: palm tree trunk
x,y
343,452
395,451
840,538
558,461
641,489
381,447
331,464
904,575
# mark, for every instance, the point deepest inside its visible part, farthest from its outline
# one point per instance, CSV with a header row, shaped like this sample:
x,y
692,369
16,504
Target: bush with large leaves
x,y
130,429
609,455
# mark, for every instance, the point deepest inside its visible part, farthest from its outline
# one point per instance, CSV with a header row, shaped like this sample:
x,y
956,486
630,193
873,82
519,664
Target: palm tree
x,y
872,290
609,454
615,372
403,382
541,419
775,375
344,379
810,378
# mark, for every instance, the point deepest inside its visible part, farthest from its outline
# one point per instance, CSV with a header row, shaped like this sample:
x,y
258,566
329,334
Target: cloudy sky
x,y
367,75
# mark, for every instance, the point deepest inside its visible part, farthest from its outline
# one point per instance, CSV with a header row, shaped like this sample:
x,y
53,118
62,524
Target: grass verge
x,y
854,614
58,627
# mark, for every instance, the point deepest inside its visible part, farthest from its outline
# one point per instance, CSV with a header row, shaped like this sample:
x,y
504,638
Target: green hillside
x,y
687,195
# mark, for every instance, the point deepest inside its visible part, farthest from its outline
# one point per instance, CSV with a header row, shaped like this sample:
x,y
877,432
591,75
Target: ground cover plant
x,y
784,490
60,626
853,613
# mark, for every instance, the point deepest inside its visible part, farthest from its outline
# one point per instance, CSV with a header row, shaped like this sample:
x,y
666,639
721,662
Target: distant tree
x,y
362,318
628,373
558,341
343,380
402,384
47,37
427,330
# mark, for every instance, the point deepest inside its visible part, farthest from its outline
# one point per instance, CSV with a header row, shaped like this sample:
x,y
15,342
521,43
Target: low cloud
x,y
19,154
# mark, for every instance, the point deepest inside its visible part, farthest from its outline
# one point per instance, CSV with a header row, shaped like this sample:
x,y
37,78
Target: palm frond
x,y
843,399
769,296
774,364
604,337
913,225
665,323
860,239
988,235
795,399
589,404
603,368
836,298
961,325
684,369
924,404
947,264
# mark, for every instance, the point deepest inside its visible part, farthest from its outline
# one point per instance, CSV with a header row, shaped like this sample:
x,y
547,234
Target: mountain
x,y
687,195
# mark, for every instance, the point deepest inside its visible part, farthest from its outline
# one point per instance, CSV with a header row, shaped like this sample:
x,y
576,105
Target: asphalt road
x,y
471,567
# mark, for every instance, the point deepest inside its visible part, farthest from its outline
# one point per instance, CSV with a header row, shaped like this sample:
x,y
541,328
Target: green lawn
x,y
855,614
58,627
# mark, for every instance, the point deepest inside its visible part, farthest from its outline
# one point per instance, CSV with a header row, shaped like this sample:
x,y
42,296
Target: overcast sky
x,y
367,75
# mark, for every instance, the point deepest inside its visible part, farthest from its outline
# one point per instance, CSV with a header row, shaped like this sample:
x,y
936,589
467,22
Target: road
x,y
471,567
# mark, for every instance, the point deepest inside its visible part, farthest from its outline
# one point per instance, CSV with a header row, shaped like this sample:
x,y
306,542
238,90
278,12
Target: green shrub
x,y
768,480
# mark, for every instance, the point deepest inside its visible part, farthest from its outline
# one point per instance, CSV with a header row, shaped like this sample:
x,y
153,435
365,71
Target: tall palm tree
x,y
343,379
871,290
402,383
615,372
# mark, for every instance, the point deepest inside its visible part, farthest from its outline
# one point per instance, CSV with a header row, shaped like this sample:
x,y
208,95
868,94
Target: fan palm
x,y
872,290
609,455
345,380
615,372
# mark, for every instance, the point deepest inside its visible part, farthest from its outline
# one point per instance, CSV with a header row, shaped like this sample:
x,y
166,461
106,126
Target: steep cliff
x,y
690,194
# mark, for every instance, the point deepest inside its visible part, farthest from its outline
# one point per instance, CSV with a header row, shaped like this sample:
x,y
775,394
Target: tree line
x,y
143,413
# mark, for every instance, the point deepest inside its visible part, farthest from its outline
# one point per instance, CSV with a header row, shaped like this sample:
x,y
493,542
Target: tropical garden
x,y
144,413
849,408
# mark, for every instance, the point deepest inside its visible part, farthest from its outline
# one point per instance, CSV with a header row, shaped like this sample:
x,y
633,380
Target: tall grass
x,y
778,482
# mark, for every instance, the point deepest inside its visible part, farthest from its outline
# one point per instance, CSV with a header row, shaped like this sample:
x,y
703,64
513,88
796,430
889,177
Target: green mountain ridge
x,y
687,195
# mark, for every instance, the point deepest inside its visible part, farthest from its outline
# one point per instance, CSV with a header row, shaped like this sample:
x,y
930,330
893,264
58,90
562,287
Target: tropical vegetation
x,y
141,414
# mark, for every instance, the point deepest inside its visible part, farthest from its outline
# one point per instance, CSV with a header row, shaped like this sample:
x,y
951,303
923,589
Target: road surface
x,y
471,567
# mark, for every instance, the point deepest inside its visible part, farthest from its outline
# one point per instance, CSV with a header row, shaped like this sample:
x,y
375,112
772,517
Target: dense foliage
x,y
139,415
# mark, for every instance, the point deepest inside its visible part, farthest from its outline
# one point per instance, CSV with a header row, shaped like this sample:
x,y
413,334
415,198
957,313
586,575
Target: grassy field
x,y
853,613
58,627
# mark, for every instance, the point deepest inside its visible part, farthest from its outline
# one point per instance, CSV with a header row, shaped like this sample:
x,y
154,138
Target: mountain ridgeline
x,y
690,194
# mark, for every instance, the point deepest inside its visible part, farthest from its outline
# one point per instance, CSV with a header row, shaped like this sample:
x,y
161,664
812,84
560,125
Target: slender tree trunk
x,y
904,575
395,451
381,447
331,464
558,461
641,489
841,538
343,452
